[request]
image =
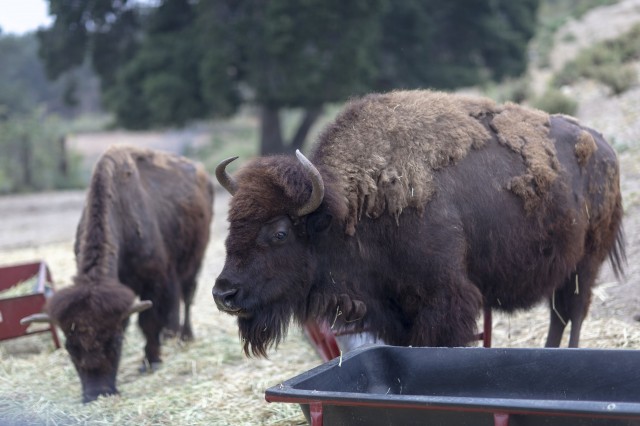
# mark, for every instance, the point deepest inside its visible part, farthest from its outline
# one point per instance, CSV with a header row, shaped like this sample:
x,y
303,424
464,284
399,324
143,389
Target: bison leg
x,y
558,319
571,303
151,326
450,318
188,291
172,303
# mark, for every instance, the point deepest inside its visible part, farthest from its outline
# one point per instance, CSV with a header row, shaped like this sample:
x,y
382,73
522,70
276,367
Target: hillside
x,y
617,117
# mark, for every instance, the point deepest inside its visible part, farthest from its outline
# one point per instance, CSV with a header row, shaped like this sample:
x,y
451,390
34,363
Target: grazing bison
x,y
417,208
143,231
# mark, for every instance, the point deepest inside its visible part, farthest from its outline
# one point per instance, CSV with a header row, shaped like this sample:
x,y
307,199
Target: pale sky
x,y
20,16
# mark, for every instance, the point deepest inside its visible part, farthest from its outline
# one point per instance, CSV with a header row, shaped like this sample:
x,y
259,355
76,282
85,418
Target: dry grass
x,y
22,288
206,382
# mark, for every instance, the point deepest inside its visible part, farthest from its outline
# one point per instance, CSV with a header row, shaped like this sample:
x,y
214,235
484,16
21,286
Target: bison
x,y
143,231
416,209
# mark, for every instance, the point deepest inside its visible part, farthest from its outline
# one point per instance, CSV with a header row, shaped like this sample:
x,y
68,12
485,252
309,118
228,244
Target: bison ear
x,y
318,223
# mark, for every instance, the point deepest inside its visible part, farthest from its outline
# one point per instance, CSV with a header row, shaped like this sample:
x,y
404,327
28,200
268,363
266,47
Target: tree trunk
x,y
63,164
311,115
25,154
270,131
271,139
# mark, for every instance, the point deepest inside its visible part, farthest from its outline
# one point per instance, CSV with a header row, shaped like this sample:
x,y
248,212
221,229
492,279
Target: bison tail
x,y
618,255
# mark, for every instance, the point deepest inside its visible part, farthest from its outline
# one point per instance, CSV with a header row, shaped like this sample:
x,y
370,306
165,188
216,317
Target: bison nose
x,y
93,394
224,299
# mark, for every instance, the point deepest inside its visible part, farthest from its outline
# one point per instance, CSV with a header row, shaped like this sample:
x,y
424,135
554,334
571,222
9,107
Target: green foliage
x,y
607,61
619,78
512,89
215,54
289,53
237,136
552,14
159,87
554,101
105,30
23,84
31,155
177,60
453,44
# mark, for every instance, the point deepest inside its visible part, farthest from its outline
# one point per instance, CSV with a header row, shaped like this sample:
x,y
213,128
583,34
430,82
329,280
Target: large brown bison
x,y
417,208
143,231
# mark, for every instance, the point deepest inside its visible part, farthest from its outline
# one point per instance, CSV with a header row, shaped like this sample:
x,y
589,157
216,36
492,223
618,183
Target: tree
x,y
106,31
23,84
287,54
161,84
188,59
31,154
454,44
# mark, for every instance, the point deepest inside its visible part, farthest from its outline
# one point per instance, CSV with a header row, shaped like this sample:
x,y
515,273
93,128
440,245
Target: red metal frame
x,y
324,340
500,418
13,309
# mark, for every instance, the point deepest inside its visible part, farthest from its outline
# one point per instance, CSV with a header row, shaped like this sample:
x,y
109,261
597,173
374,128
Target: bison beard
x,y
419,207
268,326
265,329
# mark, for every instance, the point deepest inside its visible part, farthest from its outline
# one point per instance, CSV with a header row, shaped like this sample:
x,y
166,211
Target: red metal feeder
x,y
13,309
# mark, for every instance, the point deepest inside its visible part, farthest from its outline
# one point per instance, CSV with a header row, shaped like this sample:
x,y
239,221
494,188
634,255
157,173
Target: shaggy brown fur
x,y
399,140
585,147
143,231
434,205
526,132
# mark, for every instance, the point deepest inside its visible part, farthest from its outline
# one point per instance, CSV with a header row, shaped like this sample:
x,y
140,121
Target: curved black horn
x,y
223,177
317,191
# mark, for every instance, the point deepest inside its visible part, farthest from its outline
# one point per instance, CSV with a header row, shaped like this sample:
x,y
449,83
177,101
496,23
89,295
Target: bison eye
x,y
280,236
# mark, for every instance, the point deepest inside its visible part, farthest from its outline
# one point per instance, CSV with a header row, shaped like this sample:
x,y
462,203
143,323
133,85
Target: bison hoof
x,y
186,336
147,367
168,334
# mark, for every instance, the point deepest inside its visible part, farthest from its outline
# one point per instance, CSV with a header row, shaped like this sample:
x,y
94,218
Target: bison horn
x,y
223,177
143,305
317,186
39,317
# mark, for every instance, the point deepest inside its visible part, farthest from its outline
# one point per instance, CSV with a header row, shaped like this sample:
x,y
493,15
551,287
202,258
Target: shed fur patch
x,y
526,131
394,143
585,147
384,149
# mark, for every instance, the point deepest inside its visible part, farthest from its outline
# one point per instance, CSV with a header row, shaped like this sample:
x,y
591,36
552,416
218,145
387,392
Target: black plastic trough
x,y
388,385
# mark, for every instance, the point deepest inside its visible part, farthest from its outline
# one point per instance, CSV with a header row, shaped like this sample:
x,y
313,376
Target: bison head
x,y
93,317
277,215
